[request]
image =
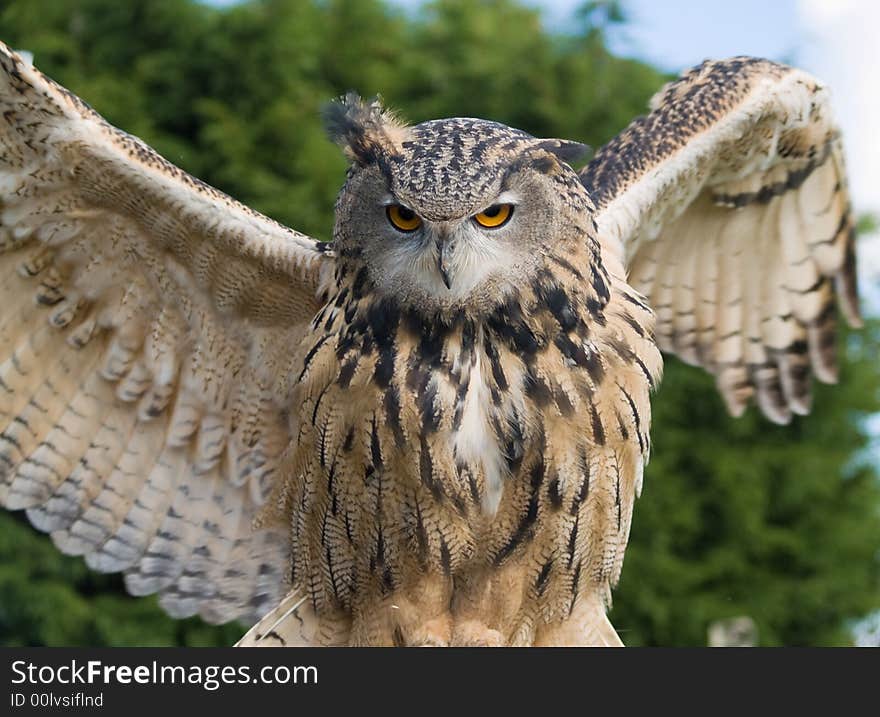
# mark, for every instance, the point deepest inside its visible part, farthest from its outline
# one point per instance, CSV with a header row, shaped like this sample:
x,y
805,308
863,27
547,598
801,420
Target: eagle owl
x,y
432,430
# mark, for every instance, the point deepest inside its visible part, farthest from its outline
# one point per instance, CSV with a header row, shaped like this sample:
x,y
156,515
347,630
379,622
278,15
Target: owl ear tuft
x,y
366,131
570,152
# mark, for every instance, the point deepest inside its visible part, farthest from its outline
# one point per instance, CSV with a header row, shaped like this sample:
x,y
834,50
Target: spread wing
x,y
146,327
729,205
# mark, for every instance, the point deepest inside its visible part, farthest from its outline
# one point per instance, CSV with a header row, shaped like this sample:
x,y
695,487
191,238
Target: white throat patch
x,y
475,442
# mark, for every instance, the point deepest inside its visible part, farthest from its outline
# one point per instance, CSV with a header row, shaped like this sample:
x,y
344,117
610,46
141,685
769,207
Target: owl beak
x,y
443,252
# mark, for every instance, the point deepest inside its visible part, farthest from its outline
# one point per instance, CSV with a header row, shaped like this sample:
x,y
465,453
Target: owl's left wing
x,y
148,326
728,204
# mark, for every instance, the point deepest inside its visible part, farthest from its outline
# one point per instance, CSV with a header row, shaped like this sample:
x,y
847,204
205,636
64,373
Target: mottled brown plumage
x,y
430,433
730,200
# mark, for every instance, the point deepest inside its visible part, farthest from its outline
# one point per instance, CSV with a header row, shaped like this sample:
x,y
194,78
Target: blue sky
x,y
675,34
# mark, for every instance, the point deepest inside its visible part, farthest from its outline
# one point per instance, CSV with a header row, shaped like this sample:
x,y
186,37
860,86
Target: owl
x,y
432,430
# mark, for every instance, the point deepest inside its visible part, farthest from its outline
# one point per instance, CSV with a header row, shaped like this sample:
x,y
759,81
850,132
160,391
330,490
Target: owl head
x,y
453,213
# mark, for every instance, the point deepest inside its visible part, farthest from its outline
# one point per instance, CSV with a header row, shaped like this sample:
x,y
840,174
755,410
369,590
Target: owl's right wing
x,y
728,205
147,325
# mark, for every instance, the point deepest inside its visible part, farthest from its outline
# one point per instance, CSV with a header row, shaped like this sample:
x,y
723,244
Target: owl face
x,y
454,214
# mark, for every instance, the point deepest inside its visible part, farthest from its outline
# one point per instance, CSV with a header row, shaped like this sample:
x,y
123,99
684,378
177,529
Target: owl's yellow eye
x,y
403,218
495,216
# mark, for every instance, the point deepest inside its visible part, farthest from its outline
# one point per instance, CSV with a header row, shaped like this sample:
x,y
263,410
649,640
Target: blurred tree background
x,y
738,517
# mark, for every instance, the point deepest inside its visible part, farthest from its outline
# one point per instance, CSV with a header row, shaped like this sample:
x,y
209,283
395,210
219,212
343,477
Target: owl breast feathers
x,y
432,430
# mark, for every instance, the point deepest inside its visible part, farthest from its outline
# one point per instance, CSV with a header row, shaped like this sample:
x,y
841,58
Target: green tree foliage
x,y
738,516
